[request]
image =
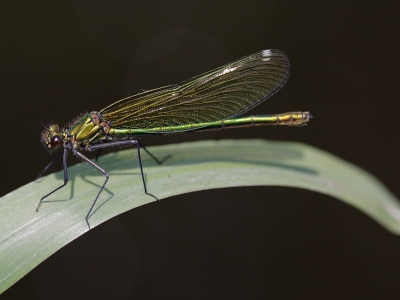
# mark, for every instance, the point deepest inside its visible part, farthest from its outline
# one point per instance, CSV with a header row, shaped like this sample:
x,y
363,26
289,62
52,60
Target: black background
x,y
59,59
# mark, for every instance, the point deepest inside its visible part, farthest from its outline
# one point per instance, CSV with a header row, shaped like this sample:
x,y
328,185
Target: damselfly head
x,y
52,137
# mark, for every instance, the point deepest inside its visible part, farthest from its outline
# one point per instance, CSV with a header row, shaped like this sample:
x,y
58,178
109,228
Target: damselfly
x,y
212,100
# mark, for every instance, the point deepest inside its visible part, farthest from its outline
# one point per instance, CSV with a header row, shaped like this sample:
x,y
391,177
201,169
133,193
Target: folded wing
x,y
220,94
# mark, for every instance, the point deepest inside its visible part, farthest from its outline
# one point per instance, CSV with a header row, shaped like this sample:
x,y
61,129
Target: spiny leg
x,y
65,152
141,169
128,142
80,155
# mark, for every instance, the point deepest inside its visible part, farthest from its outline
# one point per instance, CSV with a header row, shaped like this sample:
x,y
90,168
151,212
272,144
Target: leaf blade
x,y
193,166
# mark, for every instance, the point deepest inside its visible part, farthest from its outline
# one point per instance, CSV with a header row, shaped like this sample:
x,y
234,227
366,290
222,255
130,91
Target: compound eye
x,y
55,141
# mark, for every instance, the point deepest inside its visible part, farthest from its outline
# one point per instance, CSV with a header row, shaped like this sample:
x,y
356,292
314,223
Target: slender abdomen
x,y
286,119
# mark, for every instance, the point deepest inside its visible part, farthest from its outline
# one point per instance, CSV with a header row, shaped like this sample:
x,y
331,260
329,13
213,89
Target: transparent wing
x,y
220,94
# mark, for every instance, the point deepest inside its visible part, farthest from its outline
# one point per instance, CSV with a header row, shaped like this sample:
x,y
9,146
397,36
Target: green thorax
x,y
87,130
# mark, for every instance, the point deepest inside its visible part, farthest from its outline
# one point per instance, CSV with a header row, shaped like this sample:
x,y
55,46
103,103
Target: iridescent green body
x,y
89,130
213,100
210,101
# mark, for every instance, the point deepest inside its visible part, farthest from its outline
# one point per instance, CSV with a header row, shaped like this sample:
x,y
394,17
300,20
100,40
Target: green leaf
x,y
28,237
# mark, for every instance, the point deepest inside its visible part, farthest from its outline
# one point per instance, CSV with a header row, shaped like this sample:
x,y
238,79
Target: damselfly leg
x,y
64,153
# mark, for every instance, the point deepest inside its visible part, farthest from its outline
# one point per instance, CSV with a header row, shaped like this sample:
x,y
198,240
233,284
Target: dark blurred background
x,y
59,59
